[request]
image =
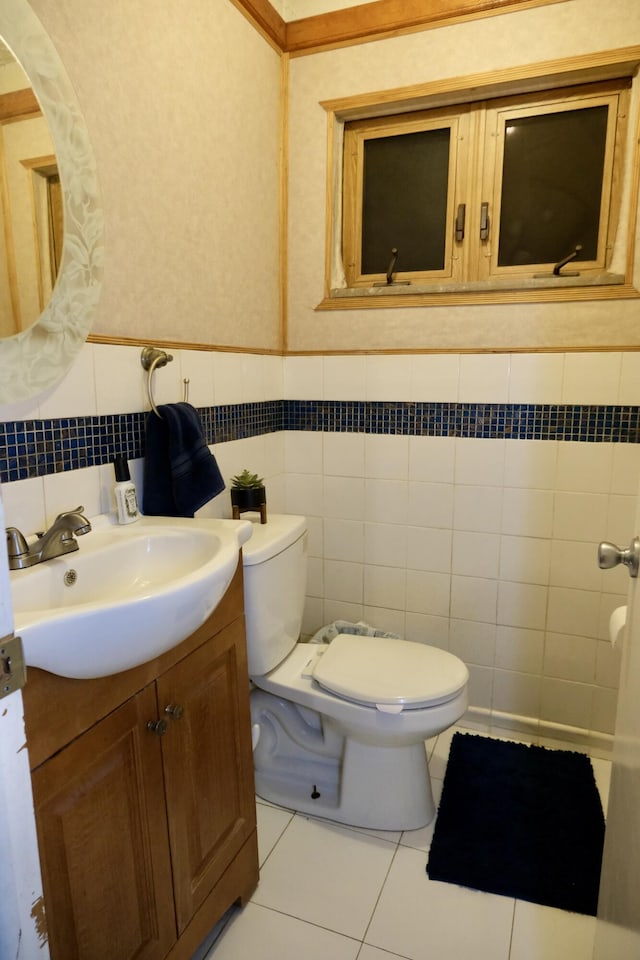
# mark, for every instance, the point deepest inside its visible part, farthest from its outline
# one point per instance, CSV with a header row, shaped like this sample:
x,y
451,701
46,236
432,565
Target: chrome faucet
x,y
59,539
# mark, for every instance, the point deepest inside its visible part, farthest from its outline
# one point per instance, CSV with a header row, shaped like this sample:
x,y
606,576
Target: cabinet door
x,y
208,765
104,851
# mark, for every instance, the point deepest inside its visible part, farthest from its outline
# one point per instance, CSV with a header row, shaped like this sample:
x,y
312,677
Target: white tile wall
x,y
485,547
591,378
536,378
429,548
109,379
343,454
343,379
479,462
520,649
435,378
432,459
344,540
484,378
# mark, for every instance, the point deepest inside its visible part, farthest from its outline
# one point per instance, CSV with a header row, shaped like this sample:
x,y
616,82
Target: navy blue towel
x,y
180,472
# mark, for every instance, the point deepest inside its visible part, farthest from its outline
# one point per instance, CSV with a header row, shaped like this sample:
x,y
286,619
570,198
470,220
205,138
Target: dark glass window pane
x,y
404,202
551,186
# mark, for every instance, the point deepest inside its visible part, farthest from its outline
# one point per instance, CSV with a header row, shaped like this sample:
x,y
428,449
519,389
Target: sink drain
x,y
70,578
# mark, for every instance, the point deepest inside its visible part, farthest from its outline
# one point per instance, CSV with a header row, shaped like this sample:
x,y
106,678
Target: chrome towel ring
x,y
150,358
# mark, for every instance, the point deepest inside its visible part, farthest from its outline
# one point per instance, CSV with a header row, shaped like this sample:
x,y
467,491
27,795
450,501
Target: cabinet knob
x,y
174,710
159,727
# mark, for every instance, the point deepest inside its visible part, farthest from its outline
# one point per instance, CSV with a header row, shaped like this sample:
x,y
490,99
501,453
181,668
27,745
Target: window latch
x,y
562,263
460,218
392,265
484,221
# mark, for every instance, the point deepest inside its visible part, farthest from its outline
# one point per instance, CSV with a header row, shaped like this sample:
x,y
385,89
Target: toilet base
x,y
319,771
381,788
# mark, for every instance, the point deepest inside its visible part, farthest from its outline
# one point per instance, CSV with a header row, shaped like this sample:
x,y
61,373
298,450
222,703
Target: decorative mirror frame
x,y
36,358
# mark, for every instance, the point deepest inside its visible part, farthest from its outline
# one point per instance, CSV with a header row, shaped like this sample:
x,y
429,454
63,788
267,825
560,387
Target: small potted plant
x,y
248,493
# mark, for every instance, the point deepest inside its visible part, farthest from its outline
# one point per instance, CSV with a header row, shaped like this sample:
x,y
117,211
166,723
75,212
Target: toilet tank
x,y
275,578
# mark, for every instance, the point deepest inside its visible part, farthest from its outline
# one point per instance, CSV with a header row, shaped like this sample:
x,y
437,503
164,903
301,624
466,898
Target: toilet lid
x,y
389,673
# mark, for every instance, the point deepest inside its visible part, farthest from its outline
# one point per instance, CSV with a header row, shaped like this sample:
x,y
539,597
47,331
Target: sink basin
x,y
128,594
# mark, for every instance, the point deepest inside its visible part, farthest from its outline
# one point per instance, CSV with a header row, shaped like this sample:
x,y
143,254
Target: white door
x,y
21,904
618,926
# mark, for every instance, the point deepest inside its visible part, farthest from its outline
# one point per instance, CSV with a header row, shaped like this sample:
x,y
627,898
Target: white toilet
x,y
339,728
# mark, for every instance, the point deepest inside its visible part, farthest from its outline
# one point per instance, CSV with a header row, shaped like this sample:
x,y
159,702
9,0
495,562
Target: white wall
x,y
182,111
109,380
485,547
366,553
482,46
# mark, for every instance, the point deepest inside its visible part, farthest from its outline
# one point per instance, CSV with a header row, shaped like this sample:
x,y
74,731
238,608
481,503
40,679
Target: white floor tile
x,y
543,933
325,887
272,821
325,874
392,836
268,935
417,917
372,953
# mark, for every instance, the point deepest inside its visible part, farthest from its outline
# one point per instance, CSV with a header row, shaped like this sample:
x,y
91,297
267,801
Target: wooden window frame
x,y
356,135
481,97
614,95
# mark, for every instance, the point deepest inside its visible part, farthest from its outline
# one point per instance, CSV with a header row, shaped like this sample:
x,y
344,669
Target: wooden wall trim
x,y
267,20
457,351
18,104
369,21
284,201
114,340
522,79
385,18
377,351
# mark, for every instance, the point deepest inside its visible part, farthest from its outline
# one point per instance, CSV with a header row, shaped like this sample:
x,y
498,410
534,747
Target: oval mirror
x,y
35,358
31,221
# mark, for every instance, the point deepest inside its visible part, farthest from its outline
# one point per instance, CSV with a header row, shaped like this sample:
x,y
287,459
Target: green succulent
x,y
247,480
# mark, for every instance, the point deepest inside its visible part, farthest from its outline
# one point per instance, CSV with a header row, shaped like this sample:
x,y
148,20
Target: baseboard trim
x,y
541,731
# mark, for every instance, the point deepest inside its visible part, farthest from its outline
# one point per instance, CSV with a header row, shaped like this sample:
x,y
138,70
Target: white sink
x,y
127,595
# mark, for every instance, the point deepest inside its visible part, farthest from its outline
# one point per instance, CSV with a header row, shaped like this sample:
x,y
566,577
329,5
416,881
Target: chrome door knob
x,y
609,555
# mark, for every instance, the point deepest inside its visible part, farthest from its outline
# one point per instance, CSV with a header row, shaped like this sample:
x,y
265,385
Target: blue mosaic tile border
x,y
34,448
618,424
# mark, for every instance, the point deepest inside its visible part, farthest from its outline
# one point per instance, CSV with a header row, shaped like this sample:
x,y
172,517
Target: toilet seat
x,y
392,675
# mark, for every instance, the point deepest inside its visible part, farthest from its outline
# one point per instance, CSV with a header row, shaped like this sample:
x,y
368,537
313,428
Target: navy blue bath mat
x,y
521,821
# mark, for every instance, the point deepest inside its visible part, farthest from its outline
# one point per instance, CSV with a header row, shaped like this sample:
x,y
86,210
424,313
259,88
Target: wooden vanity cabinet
x,y
144,797
102,831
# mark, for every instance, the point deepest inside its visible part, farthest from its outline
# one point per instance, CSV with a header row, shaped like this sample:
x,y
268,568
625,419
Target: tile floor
x,y
329,892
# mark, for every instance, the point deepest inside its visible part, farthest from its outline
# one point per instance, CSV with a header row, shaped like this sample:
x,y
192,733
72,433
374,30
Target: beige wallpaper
x,y
183,114
473,47
182,106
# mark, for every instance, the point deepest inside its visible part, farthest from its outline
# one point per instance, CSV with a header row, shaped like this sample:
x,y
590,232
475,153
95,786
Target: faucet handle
x,y
73,524
16,543
69,513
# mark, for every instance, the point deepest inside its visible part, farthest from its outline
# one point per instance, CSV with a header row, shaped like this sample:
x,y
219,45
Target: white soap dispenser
x,y
125,492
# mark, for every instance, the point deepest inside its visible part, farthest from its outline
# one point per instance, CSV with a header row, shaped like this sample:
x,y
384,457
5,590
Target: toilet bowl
x,y
339,729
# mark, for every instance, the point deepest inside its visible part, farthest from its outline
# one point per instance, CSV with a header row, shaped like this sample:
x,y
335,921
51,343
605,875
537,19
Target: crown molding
x,y
267,21
369,21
